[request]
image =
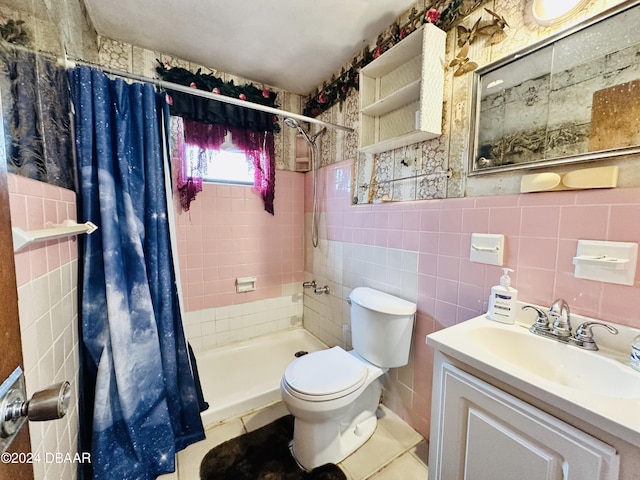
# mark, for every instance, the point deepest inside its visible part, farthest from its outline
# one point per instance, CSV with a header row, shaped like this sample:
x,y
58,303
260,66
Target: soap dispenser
x,y
502,302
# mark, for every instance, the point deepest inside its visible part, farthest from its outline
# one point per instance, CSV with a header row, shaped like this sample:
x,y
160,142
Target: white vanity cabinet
x,y
480,432
401,92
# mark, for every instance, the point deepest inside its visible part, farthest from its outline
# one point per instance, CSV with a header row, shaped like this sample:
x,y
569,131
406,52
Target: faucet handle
x,y
584,334
542,320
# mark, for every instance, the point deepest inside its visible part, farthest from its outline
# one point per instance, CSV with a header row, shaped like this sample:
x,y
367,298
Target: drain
x,y
300,353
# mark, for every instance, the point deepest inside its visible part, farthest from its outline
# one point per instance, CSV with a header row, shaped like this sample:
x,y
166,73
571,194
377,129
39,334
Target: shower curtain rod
x,y
68,63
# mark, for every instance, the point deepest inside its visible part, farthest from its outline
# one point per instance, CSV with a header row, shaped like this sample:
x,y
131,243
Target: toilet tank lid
x,y
381,302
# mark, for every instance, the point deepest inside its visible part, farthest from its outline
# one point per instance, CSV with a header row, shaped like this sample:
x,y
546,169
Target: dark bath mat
x,y
262,455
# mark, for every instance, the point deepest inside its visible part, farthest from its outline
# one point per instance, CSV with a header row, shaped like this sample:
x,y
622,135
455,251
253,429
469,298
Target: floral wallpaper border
x,y
442,13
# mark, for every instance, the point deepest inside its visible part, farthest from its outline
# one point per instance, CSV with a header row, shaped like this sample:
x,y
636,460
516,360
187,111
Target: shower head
x,y
293,123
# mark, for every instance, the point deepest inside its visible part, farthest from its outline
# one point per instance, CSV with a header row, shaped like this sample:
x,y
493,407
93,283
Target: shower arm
x,y
293,123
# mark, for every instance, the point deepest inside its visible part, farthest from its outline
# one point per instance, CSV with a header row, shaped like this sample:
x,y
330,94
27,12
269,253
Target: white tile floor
x,y
394,451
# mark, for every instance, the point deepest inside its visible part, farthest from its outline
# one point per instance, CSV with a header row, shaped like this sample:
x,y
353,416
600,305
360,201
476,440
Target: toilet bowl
x,y
334,394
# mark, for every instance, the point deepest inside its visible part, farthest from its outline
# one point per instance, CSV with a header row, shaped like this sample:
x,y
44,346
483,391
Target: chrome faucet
x,y
321,290
559,313
316,289
560,329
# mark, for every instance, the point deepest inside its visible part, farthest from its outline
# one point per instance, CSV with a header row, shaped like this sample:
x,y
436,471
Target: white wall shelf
x,y
401,93
302,154
397,99
68,228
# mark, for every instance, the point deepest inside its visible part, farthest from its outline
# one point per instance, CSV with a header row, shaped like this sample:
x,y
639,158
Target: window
x,y
206,152
219,166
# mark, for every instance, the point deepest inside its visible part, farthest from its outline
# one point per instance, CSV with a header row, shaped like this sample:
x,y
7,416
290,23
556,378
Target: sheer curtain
x,y
260,148
189,164
140,400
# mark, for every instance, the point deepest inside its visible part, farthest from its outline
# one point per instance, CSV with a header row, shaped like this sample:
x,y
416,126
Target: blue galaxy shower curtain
x,y
140,397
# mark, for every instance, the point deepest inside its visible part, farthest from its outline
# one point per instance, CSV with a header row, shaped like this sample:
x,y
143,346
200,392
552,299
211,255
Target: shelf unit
x,y
401,92
302,154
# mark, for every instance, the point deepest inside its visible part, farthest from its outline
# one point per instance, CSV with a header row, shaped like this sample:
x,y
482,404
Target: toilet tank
x,y
381,327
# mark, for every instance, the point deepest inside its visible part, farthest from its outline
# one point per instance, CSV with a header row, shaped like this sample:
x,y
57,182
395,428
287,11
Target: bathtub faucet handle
x,y
311,284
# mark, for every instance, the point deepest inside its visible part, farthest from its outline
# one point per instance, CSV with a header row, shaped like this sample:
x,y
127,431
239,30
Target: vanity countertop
x,y
598,386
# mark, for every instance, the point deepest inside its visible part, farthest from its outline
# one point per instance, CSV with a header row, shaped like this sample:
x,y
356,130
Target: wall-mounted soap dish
x,y
612,262
487,248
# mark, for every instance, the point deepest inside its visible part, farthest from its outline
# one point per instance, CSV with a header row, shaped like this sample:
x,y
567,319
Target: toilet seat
x,y
325,375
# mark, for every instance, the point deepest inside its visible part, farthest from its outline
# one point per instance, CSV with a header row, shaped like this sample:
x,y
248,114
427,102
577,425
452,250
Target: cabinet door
x,y
484,433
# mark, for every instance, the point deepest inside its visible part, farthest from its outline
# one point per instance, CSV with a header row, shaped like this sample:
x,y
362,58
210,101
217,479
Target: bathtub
x,y
241,377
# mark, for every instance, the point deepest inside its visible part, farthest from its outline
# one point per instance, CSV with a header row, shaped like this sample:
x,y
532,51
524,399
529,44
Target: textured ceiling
x,y
294,45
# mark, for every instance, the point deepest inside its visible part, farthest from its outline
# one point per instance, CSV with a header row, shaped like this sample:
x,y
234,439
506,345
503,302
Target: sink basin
x,y
556,362
599,386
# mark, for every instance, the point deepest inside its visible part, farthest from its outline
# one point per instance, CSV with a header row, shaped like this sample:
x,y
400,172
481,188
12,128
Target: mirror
x,y
35,97
573,97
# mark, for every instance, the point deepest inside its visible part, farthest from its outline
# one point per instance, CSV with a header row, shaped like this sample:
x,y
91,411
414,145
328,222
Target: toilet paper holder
x,y
48,404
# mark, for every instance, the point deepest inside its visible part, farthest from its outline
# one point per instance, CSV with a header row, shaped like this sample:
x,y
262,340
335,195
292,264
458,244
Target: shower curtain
x,y
140,400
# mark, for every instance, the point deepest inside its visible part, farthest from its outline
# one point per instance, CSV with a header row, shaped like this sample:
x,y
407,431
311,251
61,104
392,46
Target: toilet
x,y
333,394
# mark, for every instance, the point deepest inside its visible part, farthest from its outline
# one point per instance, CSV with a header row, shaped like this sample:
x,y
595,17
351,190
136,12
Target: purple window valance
x,y
188,163
205,110
206,122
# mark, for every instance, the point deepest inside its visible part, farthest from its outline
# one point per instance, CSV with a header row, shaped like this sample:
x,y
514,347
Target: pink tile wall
x,y
34,205
227,234
541,232
47,301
